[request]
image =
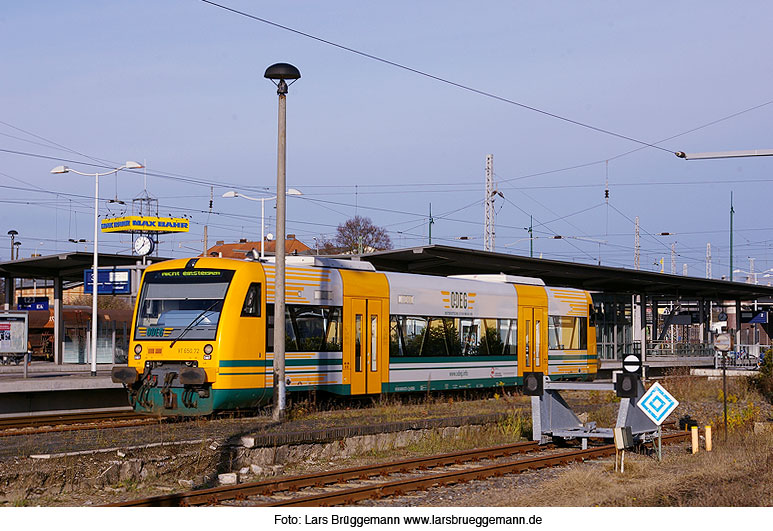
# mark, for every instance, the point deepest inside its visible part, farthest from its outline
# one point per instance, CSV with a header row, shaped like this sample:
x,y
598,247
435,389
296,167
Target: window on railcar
x,y
508,335
413,336
308,328
567,333
251,305
183,304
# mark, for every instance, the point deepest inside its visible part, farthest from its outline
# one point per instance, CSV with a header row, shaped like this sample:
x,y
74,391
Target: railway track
x,y
88,420
461,467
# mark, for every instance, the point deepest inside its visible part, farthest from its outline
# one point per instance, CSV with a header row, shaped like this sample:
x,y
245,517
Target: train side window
x,y
567,333
527,341
358,343
508,333
251,306
537,352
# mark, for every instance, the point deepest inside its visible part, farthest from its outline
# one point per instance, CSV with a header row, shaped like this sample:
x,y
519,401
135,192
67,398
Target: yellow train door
x,y
365,346
532,352
532,329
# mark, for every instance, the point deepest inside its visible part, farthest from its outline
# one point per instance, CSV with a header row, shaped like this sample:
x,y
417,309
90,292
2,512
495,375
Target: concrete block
x,y
262,456
230,478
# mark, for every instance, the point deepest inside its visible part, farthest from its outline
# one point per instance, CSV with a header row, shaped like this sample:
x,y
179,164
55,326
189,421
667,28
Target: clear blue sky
x,y
179,85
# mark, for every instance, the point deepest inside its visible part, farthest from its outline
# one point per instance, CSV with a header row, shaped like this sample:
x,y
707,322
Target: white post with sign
x,y
657,404
723,343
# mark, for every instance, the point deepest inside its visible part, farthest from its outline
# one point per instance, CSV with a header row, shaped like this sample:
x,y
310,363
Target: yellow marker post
x,y
708,438
694,430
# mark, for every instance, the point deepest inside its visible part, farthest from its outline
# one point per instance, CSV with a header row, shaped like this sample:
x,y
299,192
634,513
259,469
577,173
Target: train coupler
x,y
170,398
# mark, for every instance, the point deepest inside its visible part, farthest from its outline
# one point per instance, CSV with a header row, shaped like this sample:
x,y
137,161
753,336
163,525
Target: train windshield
x,y
182,304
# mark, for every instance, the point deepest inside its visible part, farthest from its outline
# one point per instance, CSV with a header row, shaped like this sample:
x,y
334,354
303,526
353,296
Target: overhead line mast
x,y
490,214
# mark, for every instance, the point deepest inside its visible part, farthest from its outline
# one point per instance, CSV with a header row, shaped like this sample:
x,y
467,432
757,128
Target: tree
x,y
359,234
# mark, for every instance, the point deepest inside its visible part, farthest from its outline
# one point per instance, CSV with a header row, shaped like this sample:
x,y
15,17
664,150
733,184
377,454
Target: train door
x,y
365,345
532,354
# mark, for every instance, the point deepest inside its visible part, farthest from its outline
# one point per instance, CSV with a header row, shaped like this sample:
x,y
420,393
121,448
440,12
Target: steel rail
x,y
26,425
319,479
400,487
213,496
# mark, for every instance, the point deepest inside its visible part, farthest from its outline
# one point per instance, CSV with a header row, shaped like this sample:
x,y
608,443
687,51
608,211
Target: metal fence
x,y
743,357
684,350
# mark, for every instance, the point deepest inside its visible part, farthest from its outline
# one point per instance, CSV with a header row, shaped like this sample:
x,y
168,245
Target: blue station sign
x,y
32,303
109,281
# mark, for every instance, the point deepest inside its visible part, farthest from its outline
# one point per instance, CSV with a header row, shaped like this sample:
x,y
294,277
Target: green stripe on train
x,y
269,363
444,385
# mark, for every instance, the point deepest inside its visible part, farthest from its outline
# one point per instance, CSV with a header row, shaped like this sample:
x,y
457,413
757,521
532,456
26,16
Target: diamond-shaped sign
x,y
657,403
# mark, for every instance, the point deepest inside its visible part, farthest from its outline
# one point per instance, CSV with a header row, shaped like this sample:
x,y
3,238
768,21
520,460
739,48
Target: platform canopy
x,y
67,266
446,260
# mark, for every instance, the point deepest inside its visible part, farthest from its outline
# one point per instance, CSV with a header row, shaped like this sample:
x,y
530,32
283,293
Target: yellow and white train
x,y
203,333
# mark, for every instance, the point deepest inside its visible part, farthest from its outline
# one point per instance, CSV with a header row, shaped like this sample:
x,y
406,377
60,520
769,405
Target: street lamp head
x,y
280,72
231,193
12,232
131,165
294,191
60,169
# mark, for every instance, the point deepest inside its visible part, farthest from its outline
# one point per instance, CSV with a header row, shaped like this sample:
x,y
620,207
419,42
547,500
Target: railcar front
x,y
198,338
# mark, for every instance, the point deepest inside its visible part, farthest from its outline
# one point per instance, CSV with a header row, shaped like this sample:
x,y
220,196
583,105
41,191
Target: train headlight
x,y
137,351
207,352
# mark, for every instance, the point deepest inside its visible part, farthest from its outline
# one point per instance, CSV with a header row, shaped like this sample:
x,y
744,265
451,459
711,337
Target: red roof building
x,y
240,249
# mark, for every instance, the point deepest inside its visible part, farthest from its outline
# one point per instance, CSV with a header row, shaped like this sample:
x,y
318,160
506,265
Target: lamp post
x,y
12,233
727,155
279,73
234,193
130,165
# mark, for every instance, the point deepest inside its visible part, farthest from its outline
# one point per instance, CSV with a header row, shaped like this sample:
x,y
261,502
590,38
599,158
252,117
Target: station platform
x,y
49,387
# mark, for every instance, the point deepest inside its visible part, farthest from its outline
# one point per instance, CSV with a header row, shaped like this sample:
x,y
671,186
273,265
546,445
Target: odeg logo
x,y
459,299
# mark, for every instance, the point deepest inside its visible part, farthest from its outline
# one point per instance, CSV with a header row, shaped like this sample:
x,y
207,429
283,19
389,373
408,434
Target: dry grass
x,y
734,474
396,408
